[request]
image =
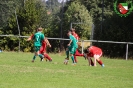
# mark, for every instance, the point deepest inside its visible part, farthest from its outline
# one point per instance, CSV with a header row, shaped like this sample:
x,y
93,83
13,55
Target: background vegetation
x,y
56,18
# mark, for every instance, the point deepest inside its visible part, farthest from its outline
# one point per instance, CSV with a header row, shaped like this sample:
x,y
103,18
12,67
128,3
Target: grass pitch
x,y
17,71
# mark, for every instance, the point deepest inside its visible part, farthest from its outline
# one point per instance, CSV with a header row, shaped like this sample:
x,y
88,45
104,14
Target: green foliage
x,y
77,13
115,28
29,17
56,18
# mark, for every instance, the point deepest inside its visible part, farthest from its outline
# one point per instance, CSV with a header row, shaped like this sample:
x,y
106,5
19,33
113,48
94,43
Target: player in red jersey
x,y
77,52
42,50
45,43
96,53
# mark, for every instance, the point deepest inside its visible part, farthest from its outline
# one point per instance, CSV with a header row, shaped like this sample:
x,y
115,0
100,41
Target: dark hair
x,y
86,50
68,31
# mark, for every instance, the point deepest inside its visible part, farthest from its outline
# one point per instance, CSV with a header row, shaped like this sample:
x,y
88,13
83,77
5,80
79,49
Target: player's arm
x,y
69,42
89,60
47,41
31,37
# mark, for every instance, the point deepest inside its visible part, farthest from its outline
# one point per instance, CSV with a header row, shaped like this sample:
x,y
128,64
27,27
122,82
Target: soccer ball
x,y
65,61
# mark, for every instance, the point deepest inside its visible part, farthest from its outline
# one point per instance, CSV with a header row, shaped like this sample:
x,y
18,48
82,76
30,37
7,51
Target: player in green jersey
x,y
38,38
72,46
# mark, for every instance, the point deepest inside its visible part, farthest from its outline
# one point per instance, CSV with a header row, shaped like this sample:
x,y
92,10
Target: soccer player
x,y
72,46
45,43
77,52
38,38
96,52
43,47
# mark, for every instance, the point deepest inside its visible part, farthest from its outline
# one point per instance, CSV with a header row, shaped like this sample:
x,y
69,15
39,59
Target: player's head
x,y
39,29
69,32
87,50
72,30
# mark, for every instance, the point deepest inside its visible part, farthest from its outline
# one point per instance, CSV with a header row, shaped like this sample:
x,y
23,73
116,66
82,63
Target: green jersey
x,y
74,41
38,38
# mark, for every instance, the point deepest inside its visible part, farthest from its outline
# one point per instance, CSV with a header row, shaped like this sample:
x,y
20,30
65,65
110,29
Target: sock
x,y
75,59
40,55
47,56
72,57
100,62
67,53
34,57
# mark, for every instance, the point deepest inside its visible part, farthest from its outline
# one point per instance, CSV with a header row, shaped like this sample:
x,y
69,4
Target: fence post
x,y
18,29
71,26
127,51
82,42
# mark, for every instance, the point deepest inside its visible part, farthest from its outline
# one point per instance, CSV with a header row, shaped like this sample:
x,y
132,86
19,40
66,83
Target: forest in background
x,y
56,18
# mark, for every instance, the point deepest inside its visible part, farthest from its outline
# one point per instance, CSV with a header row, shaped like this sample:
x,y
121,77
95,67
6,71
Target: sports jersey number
x,y
37,37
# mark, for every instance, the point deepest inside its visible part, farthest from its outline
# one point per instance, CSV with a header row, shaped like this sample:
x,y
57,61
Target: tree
x,y
114,28
29,16
77,13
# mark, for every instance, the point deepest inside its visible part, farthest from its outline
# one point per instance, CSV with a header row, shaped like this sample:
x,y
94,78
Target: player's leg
x,y
38,52
100,62
47,57
92,64
72,52
67,56
75,58
41,52
88,58
72,57
90,61
97,58
67,53
34,57
78,54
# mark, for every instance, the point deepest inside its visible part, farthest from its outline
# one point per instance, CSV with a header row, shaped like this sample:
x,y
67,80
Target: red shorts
x,y
43,49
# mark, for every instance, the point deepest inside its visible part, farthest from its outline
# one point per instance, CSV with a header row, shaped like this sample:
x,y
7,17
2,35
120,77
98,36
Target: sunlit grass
x,y
17,71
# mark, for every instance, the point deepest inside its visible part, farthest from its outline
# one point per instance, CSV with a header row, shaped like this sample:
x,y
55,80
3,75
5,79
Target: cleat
x,y
32,61
102,65
67,58
45,59
73,64
50,60
41,59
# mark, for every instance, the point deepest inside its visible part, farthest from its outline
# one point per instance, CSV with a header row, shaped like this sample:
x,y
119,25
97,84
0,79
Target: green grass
x,y
17,71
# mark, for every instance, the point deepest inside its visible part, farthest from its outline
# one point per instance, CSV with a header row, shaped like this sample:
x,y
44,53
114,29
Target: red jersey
x,y
75,35
93,50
